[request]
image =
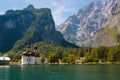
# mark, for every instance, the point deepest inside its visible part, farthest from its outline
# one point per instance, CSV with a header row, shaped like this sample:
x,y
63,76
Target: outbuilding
x,y
4,60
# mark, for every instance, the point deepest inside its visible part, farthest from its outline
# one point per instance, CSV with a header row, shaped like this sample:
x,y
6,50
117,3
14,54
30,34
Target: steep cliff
x,y
84,27
81,26
22,27
109,35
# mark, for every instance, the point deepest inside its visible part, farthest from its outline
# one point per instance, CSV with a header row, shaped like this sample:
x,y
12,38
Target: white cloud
x,y
60,12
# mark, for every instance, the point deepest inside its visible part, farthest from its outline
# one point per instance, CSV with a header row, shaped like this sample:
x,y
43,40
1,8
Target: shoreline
x,y
90,63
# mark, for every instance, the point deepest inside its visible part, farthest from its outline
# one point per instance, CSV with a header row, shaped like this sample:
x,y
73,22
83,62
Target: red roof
x,y
35,47
25,53
29,53
28,46
37,55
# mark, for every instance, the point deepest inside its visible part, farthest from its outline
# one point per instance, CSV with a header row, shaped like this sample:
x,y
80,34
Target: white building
x,y
4,60
80,59
29,57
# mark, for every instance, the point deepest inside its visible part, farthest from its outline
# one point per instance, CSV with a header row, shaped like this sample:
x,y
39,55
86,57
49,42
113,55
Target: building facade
x,y
4,60
29,57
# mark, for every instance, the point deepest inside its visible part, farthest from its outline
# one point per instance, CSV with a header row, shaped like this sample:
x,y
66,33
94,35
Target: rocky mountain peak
x,y
30,7
81,26
109,35
24,27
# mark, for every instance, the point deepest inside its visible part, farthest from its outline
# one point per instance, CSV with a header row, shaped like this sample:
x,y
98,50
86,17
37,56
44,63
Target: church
x,y
30,57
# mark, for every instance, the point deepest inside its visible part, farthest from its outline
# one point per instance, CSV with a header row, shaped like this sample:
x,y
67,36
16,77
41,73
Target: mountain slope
x,y
109,35
21,27
12,27
80,28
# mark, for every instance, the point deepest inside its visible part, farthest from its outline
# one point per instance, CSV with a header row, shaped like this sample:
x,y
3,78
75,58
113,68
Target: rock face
x,y
109,35
21,27
80,28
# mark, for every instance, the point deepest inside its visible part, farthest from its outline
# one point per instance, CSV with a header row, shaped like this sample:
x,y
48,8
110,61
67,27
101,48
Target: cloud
x,y
64,8
59,12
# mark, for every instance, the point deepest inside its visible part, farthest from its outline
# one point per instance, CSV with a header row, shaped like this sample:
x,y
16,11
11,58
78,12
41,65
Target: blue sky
x,y
61,9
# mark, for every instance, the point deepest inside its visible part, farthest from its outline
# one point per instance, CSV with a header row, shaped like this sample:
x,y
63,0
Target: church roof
x,y
35,47
37,55
25,53
30,53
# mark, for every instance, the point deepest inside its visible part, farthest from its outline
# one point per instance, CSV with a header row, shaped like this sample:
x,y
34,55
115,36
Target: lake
x,y
60,72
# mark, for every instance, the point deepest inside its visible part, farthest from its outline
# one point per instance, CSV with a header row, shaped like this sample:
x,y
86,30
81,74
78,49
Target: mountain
x,y
109,35
22,27
80,28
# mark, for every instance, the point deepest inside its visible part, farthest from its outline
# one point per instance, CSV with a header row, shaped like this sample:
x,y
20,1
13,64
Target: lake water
x,y
60,72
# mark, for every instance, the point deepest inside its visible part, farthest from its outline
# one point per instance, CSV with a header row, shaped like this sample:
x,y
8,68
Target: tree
x,y
81,53
53,58
88,58
100,53
65,59
114,54
95,60
42,59
71,59
59,54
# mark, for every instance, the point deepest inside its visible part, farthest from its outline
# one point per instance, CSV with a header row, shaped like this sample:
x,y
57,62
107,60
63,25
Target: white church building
x,y
29,57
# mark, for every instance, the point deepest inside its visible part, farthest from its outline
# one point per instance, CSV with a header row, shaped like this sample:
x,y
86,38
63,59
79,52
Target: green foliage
x,y
59,54
53,58
12,27
118,38
114,54
42,59
71,59
81,53
55,53
65,59
100,53
14,57
26,27
88,57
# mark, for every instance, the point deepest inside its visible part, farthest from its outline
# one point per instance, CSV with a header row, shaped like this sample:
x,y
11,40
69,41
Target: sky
x,y
61,9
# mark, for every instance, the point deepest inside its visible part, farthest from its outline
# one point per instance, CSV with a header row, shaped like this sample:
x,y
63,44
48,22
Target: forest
x,y
57,54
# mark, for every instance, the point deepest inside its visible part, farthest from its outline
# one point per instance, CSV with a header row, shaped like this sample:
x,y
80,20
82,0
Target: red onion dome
x,y
31,53
37,55
25,53
28,46
35,47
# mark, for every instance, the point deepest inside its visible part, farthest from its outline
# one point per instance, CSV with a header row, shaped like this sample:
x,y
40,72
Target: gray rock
x,y
80,28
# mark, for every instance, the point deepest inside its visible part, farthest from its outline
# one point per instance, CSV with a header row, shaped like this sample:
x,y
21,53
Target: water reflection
x,y
60,72
4,72
14,73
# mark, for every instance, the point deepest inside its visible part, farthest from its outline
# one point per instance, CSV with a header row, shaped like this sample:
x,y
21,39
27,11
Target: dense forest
x,y
55,54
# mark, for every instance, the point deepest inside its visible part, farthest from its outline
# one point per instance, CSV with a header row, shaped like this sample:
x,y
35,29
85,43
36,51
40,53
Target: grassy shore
x,y
100,63
14,63
80,63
